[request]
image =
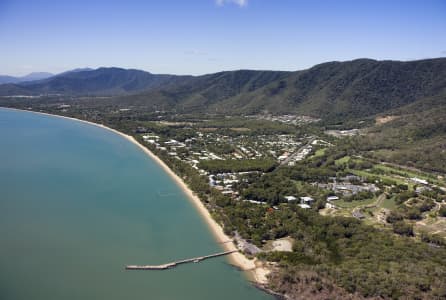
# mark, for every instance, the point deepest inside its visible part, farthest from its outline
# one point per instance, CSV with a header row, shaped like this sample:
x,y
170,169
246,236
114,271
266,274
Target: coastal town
x,y
234,154
233,160
259,180
240,156
208,146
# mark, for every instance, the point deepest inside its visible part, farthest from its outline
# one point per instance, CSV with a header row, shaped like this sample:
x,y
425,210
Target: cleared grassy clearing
x,y
408,173
342,160
389,203
366,174
319,152
390,173
354,203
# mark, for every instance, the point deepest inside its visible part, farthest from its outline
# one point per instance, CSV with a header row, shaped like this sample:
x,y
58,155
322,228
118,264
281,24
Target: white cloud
x,y
240,3
195,52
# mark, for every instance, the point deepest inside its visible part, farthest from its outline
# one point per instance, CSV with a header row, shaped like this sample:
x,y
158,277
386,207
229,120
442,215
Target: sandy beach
x,y
253,268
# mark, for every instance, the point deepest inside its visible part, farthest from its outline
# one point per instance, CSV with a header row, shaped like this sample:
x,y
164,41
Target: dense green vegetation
x,y
221,148
442,211
269,188
357,257
234,165
415,138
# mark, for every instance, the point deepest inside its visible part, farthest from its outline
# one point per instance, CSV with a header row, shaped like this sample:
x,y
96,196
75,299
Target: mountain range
x,y
30,77
357,88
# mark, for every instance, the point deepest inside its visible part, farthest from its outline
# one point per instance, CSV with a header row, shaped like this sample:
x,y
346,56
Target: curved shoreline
x,y
256,273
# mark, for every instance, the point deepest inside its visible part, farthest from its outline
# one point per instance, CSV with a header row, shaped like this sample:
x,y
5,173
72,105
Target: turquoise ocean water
x,y
78,203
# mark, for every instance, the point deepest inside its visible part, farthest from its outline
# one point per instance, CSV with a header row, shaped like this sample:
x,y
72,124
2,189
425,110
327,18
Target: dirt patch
x,y
167,123
386,119
240,129
283,245
432,226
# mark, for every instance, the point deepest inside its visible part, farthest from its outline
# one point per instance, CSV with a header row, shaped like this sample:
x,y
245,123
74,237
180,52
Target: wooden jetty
x,y
176,263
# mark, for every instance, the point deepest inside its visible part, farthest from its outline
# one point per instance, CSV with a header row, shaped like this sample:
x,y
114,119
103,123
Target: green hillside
x,y
350,89
335,90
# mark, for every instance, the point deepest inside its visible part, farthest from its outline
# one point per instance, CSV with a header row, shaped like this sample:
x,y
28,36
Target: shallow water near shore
x,y
78,203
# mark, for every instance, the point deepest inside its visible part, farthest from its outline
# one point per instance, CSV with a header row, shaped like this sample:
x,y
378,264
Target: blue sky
x,y
205,36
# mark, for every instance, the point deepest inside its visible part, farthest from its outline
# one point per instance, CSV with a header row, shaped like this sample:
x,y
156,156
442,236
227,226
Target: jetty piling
x,y
176,263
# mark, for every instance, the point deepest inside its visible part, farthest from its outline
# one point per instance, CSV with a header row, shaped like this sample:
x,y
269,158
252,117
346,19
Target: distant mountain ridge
x,y
101,81
30,77
356,88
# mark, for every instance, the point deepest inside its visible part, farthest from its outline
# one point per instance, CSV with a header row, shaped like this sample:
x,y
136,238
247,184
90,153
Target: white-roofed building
x,y
290,198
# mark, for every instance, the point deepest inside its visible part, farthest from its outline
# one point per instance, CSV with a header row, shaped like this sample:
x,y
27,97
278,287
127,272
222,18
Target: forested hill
x,y
341,90
356,88
102,81
338,90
